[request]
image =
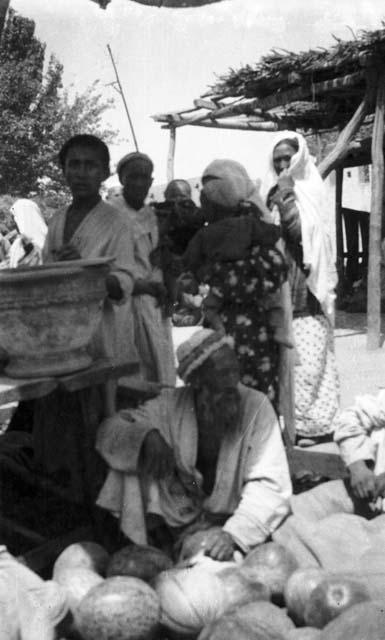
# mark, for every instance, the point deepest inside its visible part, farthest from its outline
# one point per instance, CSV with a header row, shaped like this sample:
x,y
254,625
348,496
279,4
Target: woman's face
x,y
282,156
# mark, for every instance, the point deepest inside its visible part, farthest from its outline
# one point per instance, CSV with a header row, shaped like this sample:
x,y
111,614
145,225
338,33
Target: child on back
x,y
232,234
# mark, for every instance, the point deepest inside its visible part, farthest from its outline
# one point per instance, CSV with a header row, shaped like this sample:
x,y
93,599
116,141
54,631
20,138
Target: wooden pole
x,y
374,284
171,155
339,232
4,6
341,148
234,124
120,90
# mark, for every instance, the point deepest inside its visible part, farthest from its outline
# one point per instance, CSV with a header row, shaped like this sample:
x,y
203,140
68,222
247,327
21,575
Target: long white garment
x,y
103,233
252,483
310,194
153,337
31,227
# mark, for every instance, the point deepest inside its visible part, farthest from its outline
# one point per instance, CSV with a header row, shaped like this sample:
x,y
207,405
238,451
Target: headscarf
x,y
226,183
315,223
31,226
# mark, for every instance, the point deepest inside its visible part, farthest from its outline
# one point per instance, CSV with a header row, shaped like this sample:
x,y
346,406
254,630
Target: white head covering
x,y
30,221
315,222
227,183
31,226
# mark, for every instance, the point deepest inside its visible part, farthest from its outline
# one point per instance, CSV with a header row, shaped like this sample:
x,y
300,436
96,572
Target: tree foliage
x,y
36,114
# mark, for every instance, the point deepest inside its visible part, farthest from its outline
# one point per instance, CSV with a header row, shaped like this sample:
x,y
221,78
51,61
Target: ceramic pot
x,y
48,315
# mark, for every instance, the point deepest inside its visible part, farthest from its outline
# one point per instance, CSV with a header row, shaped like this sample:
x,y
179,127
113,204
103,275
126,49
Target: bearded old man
x,y
209,456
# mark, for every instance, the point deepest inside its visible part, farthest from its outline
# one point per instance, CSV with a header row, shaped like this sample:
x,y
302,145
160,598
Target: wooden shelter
x,y
174,4
325,92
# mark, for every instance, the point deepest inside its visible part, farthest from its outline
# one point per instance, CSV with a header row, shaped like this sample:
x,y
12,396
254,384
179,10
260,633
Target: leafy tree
x,y
37,115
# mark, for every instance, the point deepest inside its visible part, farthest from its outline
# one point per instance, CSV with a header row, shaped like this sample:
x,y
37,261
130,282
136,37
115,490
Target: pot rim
x,y
64,268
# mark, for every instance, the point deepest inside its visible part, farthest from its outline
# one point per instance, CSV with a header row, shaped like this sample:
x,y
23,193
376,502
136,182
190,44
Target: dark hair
x,y
86,140
177,182
292,142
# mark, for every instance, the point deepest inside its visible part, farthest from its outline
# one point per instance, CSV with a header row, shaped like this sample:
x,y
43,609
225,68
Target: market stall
x,y
330,94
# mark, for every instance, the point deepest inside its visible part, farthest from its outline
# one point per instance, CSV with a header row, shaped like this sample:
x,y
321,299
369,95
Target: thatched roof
x,y
316,90
175,4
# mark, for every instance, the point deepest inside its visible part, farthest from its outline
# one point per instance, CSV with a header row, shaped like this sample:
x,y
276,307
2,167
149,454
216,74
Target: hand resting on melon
x,y
208,457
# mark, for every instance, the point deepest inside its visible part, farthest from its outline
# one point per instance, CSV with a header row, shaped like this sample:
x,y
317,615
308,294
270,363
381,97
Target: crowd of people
x,y
253,271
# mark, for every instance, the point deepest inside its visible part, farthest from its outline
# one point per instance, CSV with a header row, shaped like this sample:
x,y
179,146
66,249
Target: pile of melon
x,y
137,594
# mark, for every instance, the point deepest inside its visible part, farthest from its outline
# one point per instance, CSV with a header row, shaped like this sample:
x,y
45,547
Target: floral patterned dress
x,y
242,287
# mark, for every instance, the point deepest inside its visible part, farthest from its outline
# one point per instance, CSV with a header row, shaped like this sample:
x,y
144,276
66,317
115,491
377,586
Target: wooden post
x,y
339,231
171,155
342,145
374,284
4,5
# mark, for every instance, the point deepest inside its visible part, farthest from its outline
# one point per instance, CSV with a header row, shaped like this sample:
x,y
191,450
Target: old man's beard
x,y
226,410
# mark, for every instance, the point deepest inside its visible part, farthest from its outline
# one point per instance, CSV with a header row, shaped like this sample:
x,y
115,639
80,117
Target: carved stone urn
x,y
48,315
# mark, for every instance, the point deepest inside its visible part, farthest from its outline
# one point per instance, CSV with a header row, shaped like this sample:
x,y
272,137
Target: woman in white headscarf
x,y
294,192
26,250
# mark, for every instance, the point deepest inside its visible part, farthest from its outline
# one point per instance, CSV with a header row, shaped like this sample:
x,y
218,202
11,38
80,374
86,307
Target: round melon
x,y
298,589
142,562
232,626
239,590
190,598
53,597
304,633
120,608
258,615
77,582
331,597
363,621
272,564
89,555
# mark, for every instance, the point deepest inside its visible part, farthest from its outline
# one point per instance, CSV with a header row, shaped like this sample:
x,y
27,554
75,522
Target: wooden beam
x,y
234,124
329,465
240,126
205,103
341,148
308,90
236,109
171,155
374,280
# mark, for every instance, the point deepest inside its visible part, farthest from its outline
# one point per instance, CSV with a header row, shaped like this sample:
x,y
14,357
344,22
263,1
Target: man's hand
x,y
362,480
285,181
67,252
157,458
158,291
220,545
150,288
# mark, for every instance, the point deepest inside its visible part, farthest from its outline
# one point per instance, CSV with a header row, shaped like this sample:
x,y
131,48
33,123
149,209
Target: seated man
x,y
360,435
209,455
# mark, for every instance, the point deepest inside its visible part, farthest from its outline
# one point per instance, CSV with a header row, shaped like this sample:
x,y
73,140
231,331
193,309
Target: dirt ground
x,y
361,371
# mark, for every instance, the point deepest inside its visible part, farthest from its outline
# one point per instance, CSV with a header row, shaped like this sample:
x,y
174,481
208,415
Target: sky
x,y
168,57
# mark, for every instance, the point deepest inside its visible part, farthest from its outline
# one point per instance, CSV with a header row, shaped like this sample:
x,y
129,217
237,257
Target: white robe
x,y
153,337
252,485
360,431
103,233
